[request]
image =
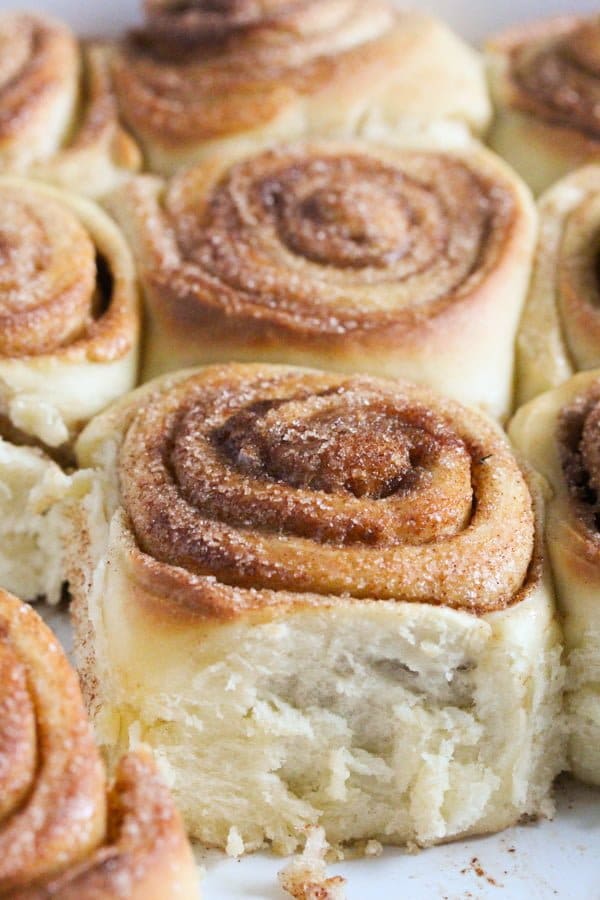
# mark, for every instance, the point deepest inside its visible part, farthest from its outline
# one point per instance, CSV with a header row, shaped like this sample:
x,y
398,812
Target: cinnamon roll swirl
x,y
559,333
206,78
58,115
69,324
545,81
348,256
61,835
319,599
559,432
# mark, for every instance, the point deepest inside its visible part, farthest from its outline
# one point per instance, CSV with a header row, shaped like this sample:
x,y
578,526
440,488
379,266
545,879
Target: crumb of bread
x,y
305,878
235,845
373,848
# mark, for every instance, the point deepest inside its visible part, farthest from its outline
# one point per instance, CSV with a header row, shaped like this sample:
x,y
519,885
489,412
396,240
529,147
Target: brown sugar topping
x,y
283,479
559,79
325,241
578,437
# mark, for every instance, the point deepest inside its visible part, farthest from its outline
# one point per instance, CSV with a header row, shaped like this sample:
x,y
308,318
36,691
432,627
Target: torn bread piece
x,y
320,600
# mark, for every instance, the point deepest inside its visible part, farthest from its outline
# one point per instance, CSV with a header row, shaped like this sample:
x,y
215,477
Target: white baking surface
x,y
558,859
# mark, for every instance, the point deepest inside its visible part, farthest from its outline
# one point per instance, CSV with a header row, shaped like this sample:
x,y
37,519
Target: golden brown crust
x,y
343,255
310,241
64,290
60,816
98,153
38,74
249,487
250,77
146,855
57,838
58,114
202,76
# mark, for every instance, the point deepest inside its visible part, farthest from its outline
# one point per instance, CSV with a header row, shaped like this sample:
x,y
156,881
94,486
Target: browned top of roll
x,y
201,20
145,856
38,57
555,70
56,839
282,481
325,241
578,437
209,71
52,804
58,290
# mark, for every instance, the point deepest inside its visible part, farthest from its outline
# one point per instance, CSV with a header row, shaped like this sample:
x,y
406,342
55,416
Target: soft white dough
x,y
401,722
35,495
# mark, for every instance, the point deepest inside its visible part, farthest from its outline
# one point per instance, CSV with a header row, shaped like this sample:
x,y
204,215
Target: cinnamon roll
x,y
320,600
61,834
206,78
545,81
559,333
559,433
349,256
58,114
69,324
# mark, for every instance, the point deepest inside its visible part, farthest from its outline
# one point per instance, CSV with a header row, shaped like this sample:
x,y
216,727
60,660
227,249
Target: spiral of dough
x,y
200,77
60,833
559,79
180,96
58,114
39,74
61,280
545,82
345,255
331,240
284,480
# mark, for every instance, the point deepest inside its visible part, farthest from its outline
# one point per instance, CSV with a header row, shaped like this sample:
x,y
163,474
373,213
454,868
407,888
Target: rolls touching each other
x,y
203,80
402,261
560,330
69,334
545,81
320,600
58,116
559,433
61,834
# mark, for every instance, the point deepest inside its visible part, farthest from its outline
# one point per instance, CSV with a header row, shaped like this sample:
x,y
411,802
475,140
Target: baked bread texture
x,y
58,115
559,433
559,333
205,80
545,83
61,833
320,600
69,335
408,261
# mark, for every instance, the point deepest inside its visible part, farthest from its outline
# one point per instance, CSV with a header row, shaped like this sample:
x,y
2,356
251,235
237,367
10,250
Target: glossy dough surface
x,y
61,834
401,261
320,600
559,433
